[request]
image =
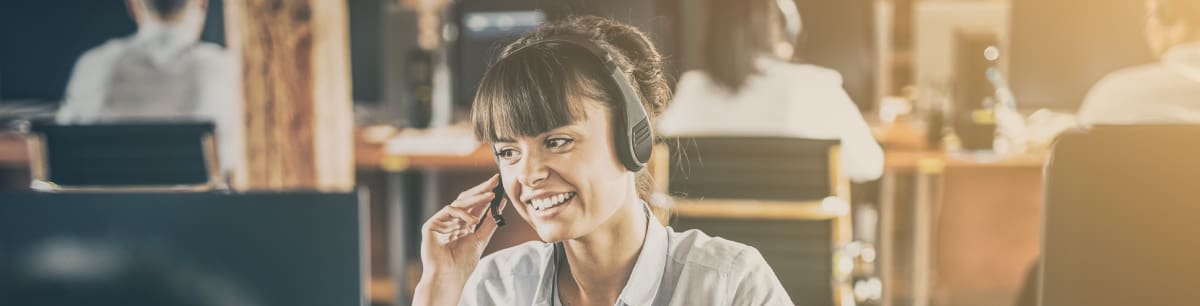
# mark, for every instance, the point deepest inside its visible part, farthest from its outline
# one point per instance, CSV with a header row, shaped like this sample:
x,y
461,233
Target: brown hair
x,y
529,92
738,33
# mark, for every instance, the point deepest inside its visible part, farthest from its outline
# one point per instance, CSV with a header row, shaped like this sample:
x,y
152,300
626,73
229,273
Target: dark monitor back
x,y
180,249
477,48
126,154
1060,48
1120,217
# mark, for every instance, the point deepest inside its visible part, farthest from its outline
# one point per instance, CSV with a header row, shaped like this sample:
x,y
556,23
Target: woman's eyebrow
x,y
573,128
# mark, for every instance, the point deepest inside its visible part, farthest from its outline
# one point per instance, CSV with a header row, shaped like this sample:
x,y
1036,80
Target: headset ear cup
x,y
643,144
635,142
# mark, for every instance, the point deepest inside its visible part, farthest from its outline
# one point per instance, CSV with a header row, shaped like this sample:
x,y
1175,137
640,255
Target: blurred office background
x,y
370,114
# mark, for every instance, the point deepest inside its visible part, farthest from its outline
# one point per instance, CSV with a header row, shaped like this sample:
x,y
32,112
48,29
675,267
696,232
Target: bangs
x,y
535,90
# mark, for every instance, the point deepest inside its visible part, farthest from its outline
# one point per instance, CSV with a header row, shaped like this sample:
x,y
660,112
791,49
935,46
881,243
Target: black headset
x,y
634,138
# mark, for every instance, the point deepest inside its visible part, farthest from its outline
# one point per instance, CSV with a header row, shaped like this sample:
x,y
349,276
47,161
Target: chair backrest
x,y
779,181
124,156
759,168
1122,205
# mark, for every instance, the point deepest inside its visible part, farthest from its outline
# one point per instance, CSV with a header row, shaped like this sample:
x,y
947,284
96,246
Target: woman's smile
x,y
545,208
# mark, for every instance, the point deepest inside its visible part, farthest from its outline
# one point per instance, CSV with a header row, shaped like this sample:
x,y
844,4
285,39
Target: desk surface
x,y
904,161
372,156
13,153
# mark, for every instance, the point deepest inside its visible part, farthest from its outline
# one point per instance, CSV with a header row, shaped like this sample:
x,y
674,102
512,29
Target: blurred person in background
x,y
749,86
163,72
1164,92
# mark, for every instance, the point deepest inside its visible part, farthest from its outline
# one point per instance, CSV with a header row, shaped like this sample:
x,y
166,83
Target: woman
x,y
548,108
749,87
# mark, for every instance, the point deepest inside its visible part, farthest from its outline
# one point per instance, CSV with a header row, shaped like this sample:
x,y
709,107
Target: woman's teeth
x,y
551,201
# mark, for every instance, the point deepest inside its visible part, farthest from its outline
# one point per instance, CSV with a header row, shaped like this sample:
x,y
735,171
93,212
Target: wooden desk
x,y
372,156
15,153
974,227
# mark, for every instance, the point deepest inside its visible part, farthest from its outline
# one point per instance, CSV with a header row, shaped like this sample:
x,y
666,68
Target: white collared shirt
x,y
160,73
673,268
1167,92
784,99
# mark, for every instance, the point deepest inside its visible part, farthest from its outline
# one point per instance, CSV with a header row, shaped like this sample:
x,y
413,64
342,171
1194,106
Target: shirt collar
x,y
650,266
163,40
645,279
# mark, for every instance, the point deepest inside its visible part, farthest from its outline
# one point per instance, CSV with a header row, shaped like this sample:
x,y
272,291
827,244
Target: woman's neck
x,y
598,265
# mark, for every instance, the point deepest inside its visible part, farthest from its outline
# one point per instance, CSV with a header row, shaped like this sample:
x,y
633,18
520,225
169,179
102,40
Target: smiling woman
x,y
567,110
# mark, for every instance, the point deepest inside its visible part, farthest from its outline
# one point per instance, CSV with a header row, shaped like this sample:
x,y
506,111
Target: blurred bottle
x,y
418,75
979,132
935,124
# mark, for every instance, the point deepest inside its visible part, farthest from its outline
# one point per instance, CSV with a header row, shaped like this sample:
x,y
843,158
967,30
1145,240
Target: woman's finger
x,y
473,201
482,187
447,228
461,214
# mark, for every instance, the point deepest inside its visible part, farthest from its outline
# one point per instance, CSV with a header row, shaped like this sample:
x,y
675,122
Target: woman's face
x,y
568,180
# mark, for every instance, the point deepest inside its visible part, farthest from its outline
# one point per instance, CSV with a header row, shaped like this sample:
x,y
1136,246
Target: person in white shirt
x,y
161,73
548,108
1164,92
747,87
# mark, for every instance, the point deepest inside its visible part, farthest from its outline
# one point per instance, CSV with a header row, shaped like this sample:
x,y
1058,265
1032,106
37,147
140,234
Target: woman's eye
x,y
506,154
558,143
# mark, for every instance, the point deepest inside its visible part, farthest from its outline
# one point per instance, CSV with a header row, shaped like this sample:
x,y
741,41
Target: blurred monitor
x,y
367,20
181,249
483,27
482,36
1060,48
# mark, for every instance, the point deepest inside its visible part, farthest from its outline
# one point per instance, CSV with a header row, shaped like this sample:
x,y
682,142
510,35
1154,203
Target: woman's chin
x,y
551,232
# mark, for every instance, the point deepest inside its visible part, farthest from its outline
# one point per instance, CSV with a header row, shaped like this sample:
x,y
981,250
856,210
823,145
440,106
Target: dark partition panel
x,y
180,249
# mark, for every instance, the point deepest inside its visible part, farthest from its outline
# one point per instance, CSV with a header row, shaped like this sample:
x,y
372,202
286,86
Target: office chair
x,y
123,157
1120,223
783,196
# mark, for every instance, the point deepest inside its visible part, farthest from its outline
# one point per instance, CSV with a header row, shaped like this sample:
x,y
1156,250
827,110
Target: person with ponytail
x,y
550,107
